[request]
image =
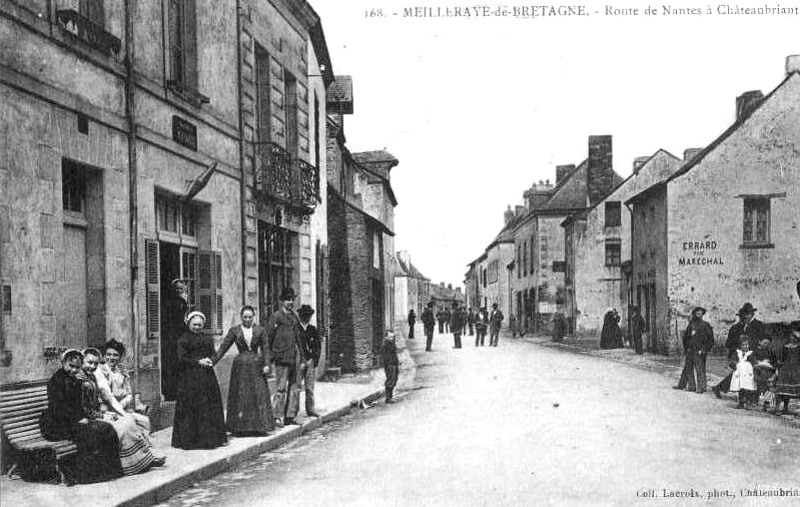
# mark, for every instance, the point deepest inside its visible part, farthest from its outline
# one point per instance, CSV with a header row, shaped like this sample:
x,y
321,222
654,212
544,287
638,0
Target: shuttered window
x,y
153,294
182,23
613,214
209,289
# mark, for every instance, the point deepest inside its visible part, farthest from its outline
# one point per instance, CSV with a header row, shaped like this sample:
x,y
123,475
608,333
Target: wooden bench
x,y
20,410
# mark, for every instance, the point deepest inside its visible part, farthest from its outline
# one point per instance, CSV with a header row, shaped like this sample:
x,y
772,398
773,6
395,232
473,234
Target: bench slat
x,y
24,391
16,428
10,402
6,412
29,413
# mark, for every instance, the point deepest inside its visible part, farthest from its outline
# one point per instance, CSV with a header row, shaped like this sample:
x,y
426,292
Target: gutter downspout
x,y
133,206
242,141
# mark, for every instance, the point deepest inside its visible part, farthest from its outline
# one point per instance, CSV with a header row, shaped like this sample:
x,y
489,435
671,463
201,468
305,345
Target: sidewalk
x,y
669,366
183,468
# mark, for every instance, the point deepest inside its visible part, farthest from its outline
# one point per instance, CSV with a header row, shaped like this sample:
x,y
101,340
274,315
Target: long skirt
x,y
199,419
98,453
249,399
788,382
134,445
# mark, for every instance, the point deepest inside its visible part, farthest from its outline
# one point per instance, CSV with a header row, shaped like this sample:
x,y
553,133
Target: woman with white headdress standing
x,y
199,419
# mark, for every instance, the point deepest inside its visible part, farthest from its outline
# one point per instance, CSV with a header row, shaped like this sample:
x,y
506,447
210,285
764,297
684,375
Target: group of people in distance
x,y
761,373
459,321
93,405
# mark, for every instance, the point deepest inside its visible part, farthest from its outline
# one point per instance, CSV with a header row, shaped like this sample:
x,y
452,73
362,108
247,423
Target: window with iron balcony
x,y
87,24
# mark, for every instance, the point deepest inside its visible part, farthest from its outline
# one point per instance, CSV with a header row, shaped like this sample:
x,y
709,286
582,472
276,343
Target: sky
x,y
478,109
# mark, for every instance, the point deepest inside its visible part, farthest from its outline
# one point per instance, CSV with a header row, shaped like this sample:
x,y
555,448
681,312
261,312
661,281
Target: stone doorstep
x,y
183,468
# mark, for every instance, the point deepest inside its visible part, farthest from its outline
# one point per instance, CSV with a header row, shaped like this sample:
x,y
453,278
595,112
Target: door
x,y
72,321
377,321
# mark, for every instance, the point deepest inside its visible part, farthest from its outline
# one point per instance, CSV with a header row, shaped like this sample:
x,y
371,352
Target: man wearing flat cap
x,y
284,347
698,339
310,348
747,325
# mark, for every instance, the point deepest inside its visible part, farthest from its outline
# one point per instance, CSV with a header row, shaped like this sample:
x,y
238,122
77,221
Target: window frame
x,y
612,209
758,206
616,242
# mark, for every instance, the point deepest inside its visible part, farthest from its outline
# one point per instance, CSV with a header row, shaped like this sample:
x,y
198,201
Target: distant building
x,y
538,282
412,288
488,278
443,296
598,249
723,230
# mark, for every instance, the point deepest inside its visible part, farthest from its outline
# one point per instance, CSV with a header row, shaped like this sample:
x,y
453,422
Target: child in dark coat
x,y
391,365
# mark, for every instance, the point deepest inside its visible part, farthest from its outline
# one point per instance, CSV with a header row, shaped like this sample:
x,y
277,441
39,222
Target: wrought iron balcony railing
x,y
93,35
274,174
307,186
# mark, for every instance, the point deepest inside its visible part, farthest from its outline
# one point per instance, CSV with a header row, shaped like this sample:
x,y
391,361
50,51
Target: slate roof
x,y
377,156
409,269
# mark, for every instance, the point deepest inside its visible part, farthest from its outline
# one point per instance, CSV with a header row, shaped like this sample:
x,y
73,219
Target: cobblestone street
x,y
523,424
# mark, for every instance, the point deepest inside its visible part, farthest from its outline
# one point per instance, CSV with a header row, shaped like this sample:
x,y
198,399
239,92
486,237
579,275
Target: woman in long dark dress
x,y
611,336
199,420
787,385
249,400
98,446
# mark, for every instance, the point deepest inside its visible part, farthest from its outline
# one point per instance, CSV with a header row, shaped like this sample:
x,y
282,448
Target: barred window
x,y
613,252
756,227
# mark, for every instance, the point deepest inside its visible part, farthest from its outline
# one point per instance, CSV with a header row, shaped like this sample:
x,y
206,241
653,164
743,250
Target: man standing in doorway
x,y
495,321
283,334
428,323
174,311
456,325
747,325
698,339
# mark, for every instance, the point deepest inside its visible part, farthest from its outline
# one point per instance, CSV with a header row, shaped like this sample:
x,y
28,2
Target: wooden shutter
x,y
152,281
218,292
190,43
206,287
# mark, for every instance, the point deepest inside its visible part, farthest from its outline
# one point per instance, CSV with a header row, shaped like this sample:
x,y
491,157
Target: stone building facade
x,y
746,250
286,70
360,230
121,170
598,249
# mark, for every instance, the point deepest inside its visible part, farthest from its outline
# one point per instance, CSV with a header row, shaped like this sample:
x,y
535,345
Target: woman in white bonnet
x,y
199,419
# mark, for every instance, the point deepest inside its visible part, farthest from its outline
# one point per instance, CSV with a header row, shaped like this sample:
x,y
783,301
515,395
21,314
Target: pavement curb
x,y
162,492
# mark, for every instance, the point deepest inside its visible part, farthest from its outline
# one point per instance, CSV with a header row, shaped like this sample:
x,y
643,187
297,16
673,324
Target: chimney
x,y
562,171
792,64
441,284
638,162
600,174
450,286
458,289
508,216
690,153
746,102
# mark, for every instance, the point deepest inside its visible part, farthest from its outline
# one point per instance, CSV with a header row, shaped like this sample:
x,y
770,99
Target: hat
x,y
747,308
194,314
305,310
287,294
114,344
699,309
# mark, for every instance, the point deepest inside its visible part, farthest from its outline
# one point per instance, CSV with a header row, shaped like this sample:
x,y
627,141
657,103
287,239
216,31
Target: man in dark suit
x,y
751,327
698,339
310,349
456,325
282,333
428,323
495,321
